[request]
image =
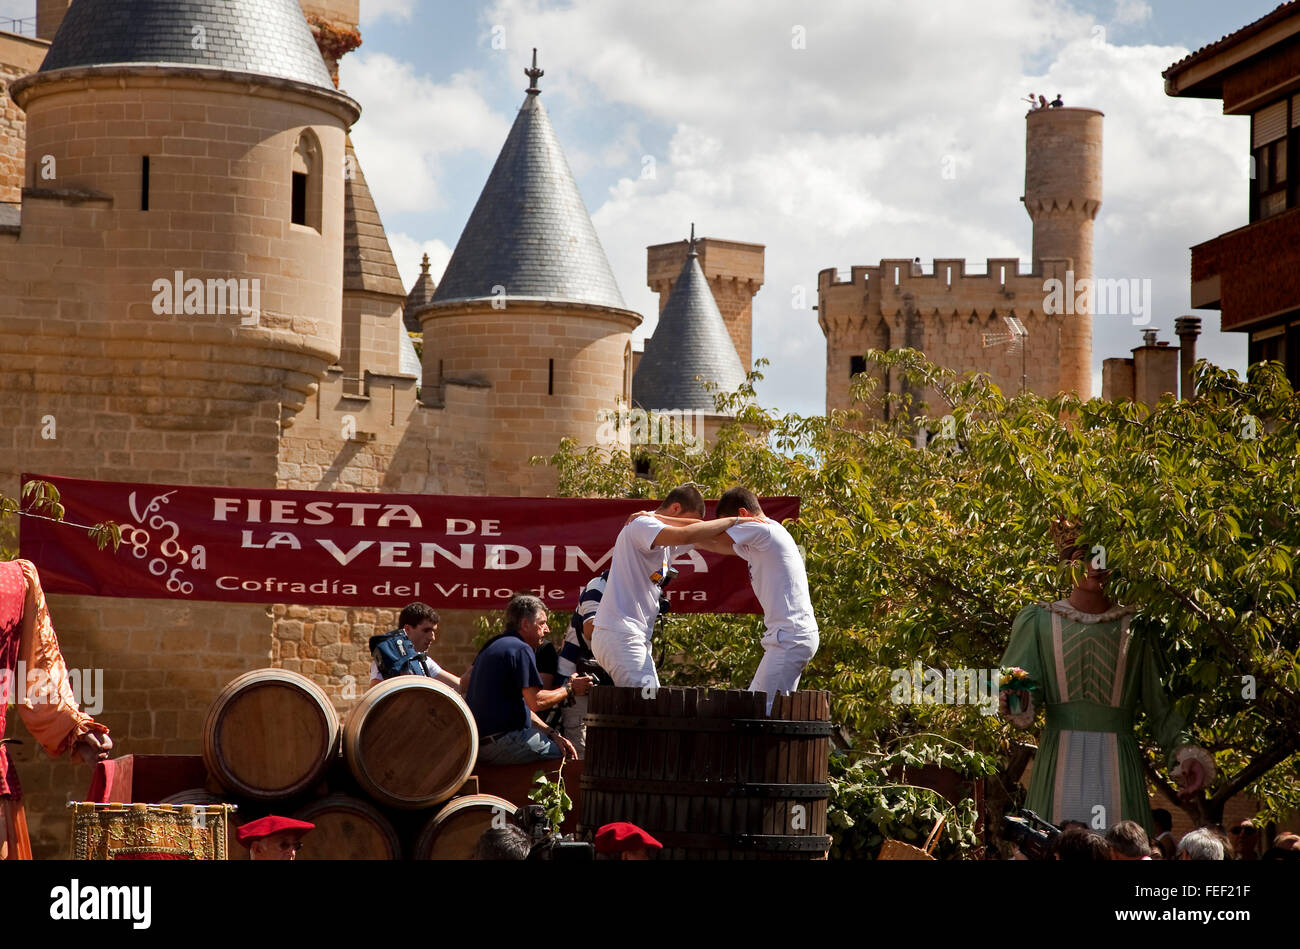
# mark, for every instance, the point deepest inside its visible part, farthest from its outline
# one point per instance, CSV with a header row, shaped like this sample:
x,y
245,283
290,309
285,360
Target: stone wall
x,y
19,55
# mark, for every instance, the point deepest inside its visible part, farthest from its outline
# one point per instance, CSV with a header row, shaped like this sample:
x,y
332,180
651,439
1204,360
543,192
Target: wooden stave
x,y
333,804
370,785
674,758
221,772
428,837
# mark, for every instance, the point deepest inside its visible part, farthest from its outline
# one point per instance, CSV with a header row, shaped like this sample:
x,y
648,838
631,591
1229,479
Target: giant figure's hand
x,y
92,747
1194,772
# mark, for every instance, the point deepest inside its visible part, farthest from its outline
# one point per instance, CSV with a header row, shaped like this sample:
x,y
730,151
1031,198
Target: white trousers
x,y
786,653
625,655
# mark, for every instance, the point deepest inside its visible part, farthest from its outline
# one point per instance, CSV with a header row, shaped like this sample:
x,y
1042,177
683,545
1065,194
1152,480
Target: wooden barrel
x,y
347,828
410,742
708,774
453,833
270,734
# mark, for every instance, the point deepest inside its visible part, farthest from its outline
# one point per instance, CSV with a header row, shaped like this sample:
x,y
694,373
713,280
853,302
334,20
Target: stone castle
x,y
196,288
949,312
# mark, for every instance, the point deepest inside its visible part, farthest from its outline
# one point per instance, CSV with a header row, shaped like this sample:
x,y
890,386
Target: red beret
x,y
257,829
622,836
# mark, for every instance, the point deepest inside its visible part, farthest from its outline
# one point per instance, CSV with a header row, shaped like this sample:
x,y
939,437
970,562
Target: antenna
x,y
1015,343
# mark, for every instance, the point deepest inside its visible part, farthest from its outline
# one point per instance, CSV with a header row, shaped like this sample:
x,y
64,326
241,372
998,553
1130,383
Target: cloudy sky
x,y
831,154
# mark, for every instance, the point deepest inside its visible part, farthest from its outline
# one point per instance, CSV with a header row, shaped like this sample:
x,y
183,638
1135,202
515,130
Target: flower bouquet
x,y
1015,681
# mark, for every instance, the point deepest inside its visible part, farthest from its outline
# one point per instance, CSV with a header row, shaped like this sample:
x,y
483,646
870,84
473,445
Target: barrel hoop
x,y
764,726
771,843
668,786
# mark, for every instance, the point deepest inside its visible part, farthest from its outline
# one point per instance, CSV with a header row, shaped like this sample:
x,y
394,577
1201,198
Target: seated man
x,y
419,622
505,692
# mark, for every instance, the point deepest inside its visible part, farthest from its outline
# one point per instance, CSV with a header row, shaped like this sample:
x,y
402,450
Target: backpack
x,y
395,655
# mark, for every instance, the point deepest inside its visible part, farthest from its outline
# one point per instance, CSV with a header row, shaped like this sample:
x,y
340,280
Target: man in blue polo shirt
x,y
505,691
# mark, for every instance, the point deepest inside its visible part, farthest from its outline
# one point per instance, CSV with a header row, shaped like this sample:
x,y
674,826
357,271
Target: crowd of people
x,y
1127,840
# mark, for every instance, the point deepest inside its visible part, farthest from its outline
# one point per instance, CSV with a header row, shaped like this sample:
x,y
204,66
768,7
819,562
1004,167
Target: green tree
x,y
925,555
41,500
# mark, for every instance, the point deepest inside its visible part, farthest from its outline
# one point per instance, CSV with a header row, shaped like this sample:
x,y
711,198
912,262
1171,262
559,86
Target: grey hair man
x,y
505,691
1200,844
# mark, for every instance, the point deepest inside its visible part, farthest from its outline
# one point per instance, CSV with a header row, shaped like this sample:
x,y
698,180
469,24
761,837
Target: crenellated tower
x,y
955,312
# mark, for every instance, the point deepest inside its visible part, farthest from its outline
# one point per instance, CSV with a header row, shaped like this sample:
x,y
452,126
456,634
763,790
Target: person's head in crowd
x,y
526,617
1200,844
274,838
420,623
1245,840
1223,837
1080,843
1128,841
685,501
738,501
624,841
503,843
1286,847
1163,820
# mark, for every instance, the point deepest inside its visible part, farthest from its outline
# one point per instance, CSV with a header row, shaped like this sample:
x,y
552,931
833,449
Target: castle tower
x,y
690,346
734,271
421,295
528,307
170,296
1062,196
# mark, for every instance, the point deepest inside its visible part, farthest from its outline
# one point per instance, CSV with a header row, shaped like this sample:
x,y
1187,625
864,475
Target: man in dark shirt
x,y
505,691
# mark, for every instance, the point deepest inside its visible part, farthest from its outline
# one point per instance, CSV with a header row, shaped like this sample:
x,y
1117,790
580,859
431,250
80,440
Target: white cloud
x,y
1131,12
372,10
408,252
411,123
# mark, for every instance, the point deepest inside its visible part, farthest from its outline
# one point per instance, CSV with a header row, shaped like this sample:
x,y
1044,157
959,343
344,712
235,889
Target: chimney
x,y
1187,328
1155,369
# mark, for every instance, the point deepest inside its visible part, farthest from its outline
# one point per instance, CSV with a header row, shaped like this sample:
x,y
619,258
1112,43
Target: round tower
x,y
185,193
1062,196
528,308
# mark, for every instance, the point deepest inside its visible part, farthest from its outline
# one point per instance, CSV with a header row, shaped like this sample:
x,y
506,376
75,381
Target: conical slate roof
x,y
407,358
530,232
421,295
691,340
368,262
266,37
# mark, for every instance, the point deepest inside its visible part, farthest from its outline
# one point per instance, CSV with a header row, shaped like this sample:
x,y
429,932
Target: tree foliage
x,y
927,554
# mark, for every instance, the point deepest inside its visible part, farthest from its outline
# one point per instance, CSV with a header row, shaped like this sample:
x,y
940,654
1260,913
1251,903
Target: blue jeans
x,y
527,744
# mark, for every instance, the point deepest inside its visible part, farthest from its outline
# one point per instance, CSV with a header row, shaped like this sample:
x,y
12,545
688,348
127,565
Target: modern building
x,y
1251,275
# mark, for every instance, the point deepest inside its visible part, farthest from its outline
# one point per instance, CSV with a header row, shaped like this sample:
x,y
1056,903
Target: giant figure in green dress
x,y
1095,672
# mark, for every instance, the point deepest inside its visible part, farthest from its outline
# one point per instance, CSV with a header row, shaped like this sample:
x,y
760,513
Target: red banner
x,y
243,545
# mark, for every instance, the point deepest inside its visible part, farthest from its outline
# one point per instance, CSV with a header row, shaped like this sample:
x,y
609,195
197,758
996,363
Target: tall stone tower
x,y
528,307
171,294
1062,196
963,317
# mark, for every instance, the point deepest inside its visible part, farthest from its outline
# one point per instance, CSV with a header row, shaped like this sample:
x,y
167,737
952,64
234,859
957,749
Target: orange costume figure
x,y
44,696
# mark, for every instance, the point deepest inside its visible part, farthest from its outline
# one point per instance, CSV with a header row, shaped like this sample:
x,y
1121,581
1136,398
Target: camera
x,y
662,580
1033,835
546,844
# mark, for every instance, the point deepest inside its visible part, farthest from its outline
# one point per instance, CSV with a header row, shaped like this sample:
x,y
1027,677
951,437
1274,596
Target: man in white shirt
x,y
777,574
420,623
645,549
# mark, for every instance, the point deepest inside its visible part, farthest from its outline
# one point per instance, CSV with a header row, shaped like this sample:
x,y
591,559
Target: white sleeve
x,y
644,530
374,671
752,535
